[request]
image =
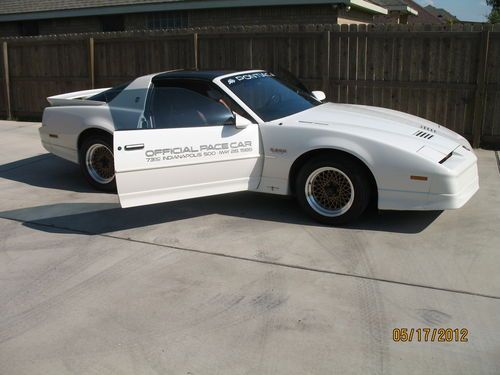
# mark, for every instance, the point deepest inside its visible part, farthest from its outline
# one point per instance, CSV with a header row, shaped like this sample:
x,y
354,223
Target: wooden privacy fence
x,y
450,75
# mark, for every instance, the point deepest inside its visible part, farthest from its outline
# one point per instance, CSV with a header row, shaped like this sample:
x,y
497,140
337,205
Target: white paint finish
x,y
394,200
68,122
184,163
71,116
432,154
75,98
384,140
128,106
63,152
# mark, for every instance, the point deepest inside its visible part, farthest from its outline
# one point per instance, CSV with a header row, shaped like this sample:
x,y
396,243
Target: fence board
x,y
41,70
492,114
333,91
3,91
361,66
119,60
428,71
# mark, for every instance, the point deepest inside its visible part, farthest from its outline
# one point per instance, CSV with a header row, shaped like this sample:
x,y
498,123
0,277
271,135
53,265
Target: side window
x,y
108,95
186,104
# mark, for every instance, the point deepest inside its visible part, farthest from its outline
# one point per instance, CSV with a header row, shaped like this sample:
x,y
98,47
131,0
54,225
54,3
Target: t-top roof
x,y
208,75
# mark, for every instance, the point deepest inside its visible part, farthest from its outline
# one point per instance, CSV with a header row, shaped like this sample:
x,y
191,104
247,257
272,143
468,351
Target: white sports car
x,y
185,134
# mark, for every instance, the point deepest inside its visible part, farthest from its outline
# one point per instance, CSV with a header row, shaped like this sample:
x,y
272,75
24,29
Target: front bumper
x,y
448,191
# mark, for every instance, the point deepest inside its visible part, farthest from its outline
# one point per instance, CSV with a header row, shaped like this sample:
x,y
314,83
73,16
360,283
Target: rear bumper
x,y
52,146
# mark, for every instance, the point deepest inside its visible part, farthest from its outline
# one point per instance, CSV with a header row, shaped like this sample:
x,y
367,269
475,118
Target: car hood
x,y
386,124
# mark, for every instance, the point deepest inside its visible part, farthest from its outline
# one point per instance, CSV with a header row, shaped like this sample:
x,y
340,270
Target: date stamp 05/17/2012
x,y
430,335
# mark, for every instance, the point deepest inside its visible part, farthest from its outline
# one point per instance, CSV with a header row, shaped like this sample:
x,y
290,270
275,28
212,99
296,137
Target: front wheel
x,y
97,163
333,191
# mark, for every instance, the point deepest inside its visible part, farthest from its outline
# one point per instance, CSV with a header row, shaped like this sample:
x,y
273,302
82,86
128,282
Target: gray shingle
x,y
390,2
29,6
424,16
15,8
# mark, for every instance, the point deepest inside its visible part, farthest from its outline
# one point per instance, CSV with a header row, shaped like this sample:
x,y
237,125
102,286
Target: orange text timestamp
x,y
430,335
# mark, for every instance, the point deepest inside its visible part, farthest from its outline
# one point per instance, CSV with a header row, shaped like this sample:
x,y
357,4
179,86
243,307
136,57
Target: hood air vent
x,y
422,134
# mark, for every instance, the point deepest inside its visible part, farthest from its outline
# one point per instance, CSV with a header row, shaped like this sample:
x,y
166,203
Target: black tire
x,y
99,173
324,193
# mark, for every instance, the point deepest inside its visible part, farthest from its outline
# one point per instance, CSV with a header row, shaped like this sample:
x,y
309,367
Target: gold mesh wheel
x,y
329,191
100,163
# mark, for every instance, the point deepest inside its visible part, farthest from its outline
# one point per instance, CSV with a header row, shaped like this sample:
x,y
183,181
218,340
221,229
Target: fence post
x,y
91,63
6,79
196,51
480,99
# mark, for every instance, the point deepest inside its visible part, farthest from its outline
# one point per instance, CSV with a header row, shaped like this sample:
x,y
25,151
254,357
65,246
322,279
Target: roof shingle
x,y
29,6
17,7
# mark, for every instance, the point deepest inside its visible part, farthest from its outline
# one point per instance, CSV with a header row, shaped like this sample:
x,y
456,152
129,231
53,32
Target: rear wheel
x,y
97,162
332,191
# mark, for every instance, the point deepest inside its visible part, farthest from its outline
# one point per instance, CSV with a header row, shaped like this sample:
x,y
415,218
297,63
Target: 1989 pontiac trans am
x,y
185,134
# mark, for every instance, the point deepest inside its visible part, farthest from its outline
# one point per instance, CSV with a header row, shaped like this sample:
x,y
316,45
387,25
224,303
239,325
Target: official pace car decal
x,y
201,151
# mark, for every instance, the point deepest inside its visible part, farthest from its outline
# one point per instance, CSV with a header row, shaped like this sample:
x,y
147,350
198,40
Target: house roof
x,y
424,16
397,6
15,10
441,13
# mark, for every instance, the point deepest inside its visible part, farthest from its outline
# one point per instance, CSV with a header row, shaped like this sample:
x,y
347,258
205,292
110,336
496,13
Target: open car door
x,y
190,146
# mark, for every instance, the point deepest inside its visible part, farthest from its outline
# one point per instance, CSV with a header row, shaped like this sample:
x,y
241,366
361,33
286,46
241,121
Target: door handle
x,y
138,146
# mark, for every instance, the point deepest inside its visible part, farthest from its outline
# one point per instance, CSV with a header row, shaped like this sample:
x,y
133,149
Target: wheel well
x,y
92,132
303,159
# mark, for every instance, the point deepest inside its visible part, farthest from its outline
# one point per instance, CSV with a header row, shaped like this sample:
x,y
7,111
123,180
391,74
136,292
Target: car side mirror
x,y
319,95
230,120
241,122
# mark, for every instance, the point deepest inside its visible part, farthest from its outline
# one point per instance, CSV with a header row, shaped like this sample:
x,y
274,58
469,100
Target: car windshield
x,y
269,97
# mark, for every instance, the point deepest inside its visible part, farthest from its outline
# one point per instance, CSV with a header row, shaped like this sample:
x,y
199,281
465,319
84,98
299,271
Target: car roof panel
x,y
208,75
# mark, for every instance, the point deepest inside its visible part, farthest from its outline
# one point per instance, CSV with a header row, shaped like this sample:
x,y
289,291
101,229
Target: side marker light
x,y
419,178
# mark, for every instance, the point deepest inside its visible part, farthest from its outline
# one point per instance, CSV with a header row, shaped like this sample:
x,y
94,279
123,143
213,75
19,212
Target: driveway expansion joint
x,y
266,262
497,156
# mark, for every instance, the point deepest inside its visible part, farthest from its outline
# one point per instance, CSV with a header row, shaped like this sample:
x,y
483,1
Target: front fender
x,y
391,162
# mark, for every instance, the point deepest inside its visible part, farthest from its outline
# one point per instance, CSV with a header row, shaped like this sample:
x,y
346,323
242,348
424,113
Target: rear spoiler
x,y
75,98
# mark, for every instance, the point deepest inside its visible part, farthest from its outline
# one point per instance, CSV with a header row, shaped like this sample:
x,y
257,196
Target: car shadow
x,y
47,171
101,218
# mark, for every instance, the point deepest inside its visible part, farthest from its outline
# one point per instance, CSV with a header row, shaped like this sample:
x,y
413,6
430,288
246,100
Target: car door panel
x,y
161,165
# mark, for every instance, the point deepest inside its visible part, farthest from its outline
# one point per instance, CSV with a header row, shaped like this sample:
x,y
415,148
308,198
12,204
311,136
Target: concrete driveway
x,y
236,284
